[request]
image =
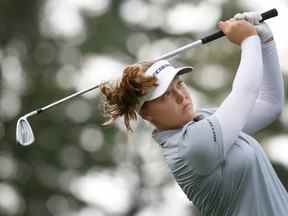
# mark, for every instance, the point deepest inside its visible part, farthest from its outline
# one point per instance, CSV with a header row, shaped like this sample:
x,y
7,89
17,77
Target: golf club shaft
x,y
266,15
37,111
179,50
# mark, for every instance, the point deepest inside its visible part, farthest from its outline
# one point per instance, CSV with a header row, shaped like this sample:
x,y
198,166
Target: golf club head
x,y
24,133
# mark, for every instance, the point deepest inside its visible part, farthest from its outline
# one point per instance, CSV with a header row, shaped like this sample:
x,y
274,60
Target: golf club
x,y
266,15
24,133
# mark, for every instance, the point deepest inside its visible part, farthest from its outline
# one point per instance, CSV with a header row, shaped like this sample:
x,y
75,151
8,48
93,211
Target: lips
x,y
187,106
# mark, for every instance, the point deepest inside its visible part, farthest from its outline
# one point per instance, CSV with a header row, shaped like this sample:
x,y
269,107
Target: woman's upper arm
x,y
261,116
202,145
233,114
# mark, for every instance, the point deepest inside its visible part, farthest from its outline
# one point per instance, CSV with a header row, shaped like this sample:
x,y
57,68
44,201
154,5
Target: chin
x,y
190,115
187,118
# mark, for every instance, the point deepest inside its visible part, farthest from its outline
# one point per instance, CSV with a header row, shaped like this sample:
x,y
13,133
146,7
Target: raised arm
x,y
206,142
270,101
234,112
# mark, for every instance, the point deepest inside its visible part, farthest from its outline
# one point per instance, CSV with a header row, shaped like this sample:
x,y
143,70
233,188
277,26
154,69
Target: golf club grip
x,y
266,15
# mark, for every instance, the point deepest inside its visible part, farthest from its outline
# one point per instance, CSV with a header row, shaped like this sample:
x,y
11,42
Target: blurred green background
x,y
50,49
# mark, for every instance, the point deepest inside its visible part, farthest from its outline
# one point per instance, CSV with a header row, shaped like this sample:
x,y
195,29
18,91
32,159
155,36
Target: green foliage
x,y
57,152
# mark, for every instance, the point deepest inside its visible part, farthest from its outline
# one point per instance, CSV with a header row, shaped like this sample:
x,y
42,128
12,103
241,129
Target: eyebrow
x,y
170,86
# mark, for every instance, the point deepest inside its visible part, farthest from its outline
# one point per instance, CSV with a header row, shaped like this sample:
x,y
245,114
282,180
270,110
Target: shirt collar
x,y
161,136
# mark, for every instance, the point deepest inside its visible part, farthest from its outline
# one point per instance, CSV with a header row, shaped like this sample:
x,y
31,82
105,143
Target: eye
x,y
167,93
164,96
181,83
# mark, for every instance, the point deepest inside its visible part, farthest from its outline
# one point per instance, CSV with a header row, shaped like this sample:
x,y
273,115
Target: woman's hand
x,y
237,30
262,28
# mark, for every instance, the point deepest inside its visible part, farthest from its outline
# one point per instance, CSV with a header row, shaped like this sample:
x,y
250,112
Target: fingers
x,y
225,25
221,25
237,30
228,25
252,17
239,16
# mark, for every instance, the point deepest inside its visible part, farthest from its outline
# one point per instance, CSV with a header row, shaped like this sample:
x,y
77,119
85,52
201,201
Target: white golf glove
x,y
262,28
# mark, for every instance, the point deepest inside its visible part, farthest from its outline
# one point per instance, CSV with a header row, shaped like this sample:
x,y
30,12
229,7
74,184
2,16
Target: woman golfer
x,y
218,164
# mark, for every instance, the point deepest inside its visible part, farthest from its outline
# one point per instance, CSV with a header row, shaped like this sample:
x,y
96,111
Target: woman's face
x,y
172,110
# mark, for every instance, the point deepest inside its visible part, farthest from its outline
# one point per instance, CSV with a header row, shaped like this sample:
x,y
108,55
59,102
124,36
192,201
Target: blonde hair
x,y
122,96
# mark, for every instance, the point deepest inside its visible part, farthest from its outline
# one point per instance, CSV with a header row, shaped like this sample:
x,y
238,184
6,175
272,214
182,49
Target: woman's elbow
x,y
277,110
280,106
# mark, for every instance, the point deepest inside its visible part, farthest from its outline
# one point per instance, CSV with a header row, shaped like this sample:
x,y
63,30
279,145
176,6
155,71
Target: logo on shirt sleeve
x,y
213,129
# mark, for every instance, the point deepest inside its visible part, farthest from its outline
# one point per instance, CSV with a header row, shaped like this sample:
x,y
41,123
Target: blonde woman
x,y
212,154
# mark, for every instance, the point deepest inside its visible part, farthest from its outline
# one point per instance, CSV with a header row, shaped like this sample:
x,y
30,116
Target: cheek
x,y
164,110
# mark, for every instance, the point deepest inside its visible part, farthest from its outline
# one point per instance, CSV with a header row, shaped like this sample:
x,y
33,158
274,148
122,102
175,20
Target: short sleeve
x,y
202,145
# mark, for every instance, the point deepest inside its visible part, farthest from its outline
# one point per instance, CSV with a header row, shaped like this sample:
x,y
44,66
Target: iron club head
x,y
24,133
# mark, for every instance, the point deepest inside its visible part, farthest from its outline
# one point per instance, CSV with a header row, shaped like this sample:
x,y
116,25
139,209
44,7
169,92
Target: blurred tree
x,y
42,173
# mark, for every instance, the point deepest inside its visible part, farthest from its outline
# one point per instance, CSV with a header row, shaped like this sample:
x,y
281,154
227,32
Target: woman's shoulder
x,y
207,110
162,136
203,113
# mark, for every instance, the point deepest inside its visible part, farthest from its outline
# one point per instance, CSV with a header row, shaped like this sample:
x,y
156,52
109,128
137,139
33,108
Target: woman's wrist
x,y
250,40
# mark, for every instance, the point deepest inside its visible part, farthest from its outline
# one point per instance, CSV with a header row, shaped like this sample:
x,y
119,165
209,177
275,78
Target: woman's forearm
x,y
250,70
270,100
272,87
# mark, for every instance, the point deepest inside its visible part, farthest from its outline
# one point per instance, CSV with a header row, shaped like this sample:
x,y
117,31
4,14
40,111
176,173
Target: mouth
x,y
187,106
